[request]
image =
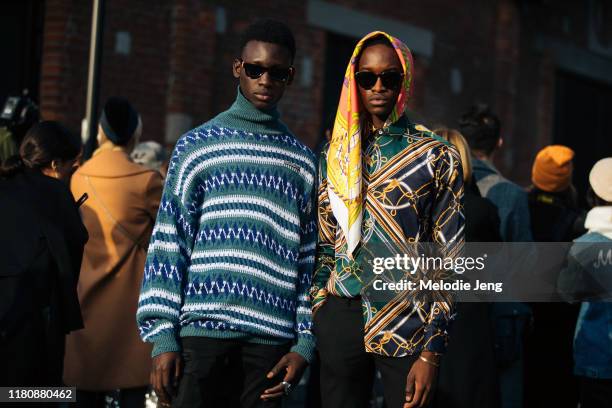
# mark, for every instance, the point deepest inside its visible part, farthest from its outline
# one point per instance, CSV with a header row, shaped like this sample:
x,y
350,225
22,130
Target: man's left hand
x,y
420,381
294,366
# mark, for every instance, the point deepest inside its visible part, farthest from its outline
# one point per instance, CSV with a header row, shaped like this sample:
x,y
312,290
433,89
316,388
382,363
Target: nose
x,y
265,80
378,86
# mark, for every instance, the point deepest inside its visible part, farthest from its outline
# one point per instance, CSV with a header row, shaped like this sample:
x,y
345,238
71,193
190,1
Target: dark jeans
x,y
595,393
347,371
227,373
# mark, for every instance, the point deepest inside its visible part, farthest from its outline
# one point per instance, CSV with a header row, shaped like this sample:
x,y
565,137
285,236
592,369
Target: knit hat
x,y
119,120
600,179
552,168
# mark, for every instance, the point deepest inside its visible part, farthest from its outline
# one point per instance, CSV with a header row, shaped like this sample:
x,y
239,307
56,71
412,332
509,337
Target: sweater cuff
x,y
305,348
165,343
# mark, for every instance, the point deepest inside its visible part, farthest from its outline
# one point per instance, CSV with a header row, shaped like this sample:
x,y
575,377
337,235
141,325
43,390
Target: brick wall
x,y
141,75
178,69
64,61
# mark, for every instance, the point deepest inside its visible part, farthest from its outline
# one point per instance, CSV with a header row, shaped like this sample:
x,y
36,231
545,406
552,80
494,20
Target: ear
x,y
237,68
101,136
500,142
291,75
54,165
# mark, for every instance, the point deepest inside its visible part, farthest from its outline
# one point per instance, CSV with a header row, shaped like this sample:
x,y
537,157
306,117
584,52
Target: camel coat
x,y
119,215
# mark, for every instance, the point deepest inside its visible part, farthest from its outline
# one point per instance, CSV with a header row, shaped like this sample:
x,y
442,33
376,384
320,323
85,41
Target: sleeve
x,y
152,194
67,250
586,277
569,279
493,234
520,220
325,258
448,229
168,259
73,228
305,344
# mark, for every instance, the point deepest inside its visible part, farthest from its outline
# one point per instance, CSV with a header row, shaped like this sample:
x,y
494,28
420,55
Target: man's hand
x,y
165,374
294,366
420,381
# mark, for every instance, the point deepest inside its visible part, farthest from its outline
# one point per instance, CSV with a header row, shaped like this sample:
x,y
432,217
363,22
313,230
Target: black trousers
x,y
227,373
127,398
347,371
595,393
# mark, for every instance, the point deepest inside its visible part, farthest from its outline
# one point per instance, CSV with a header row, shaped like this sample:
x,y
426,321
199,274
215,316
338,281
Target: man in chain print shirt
x,y
389,182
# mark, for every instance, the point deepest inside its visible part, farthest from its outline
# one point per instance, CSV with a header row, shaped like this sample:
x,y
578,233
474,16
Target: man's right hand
x,y
165,374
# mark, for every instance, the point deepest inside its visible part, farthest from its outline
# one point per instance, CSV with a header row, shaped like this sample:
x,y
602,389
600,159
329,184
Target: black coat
x,y
553,217
468,377
481,219
41,247
549,348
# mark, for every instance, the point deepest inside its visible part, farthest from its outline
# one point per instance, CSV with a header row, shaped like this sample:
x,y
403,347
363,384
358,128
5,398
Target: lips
x,y
263,97
377,101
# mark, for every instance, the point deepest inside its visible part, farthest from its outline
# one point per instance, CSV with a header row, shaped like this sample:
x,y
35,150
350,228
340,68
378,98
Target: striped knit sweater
x,y
232,251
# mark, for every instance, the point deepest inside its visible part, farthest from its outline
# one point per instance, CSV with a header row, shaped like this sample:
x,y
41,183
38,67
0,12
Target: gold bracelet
x,y
428,361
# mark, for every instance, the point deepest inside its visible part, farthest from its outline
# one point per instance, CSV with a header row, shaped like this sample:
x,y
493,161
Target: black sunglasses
x,y
390,79
256,71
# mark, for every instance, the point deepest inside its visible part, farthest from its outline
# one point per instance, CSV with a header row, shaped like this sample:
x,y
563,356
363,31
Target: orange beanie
x,y
552,168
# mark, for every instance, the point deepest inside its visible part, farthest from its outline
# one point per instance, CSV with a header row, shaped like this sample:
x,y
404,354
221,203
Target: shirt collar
x,y
484,164
396,130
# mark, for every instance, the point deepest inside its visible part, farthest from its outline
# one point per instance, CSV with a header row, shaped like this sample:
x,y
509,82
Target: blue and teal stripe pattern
x,y
232,251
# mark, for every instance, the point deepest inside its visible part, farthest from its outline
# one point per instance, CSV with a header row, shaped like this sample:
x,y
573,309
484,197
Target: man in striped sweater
x,y
225,290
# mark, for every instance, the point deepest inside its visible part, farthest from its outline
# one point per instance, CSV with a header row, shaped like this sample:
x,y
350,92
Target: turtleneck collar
x,y
243,115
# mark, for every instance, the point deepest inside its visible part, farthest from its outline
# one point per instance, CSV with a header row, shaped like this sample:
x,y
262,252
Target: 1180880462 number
x,y
37,394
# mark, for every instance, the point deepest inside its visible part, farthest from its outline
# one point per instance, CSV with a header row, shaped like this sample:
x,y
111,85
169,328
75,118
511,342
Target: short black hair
x,y
481,128
270,31
376,40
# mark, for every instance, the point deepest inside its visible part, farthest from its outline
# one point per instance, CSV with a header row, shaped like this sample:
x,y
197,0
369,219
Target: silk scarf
x,y
344,161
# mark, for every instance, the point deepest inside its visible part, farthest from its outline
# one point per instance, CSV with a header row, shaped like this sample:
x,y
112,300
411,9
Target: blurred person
x,y
353,334
149,154
482,220
555,217
553,201
472,346
313,389
18,115
589,264
119,215
225,292
41,249
482,130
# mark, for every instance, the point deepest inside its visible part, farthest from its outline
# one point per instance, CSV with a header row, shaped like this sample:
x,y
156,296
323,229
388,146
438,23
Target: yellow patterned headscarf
x,y
344,172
